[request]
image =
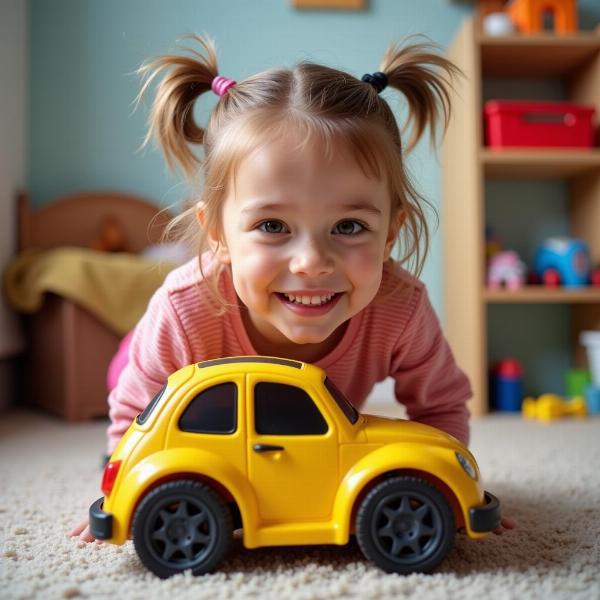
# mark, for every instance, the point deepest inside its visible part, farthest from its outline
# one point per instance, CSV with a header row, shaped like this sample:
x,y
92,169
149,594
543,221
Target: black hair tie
x,y
378,80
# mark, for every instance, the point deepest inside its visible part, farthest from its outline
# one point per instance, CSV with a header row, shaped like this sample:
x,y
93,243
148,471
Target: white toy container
x,y
591,341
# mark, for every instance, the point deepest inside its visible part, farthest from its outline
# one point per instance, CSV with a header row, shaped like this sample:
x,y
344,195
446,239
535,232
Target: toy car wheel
x,y
405,525
182,525
551,278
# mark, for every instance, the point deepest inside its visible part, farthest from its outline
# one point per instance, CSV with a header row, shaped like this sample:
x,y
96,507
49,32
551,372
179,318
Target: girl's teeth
x,y
309,300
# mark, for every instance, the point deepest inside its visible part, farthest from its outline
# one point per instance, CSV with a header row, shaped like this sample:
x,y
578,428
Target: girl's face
x,y
306,240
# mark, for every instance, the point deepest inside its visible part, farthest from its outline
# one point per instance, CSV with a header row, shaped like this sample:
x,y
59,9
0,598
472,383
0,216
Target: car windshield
x,y
349,411
143,416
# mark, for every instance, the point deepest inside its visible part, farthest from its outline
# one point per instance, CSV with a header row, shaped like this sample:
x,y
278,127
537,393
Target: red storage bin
x,y
524,123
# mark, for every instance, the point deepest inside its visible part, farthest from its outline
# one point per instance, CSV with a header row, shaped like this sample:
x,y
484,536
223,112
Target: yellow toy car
x,y
271,446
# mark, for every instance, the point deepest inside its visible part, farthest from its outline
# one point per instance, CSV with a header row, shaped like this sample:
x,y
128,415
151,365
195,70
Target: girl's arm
x,y
428,381
158,348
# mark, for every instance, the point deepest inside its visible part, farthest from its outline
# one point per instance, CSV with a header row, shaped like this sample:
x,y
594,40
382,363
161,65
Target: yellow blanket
x,y
115,288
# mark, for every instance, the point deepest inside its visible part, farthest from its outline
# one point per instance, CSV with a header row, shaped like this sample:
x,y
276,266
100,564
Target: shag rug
x,y
547,477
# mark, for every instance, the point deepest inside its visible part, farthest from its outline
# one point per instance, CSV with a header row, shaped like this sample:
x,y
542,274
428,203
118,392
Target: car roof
x,y
284,362
228,366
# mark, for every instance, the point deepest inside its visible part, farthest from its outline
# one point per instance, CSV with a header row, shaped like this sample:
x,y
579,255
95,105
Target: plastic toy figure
x,y
506,268
272,446
506,385
549,407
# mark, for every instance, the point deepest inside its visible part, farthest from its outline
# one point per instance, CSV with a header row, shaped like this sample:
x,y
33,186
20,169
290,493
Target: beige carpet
x,y
548,478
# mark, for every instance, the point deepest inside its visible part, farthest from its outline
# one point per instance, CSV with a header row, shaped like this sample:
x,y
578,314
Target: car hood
x,y
386,431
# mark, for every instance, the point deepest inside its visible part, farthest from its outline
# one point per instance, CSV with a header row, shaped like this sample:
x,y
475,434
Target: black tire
x,y
182,525
405,525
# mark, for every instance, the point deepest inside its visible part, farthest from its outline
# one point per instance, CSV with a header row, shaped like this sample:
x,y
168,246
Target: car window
x,y
341,400
143,416
281,409
213,410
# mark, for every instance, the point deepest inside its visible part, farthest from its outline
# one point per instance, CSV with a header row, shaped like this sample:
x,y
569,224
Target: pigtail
x,y
425,78
171,121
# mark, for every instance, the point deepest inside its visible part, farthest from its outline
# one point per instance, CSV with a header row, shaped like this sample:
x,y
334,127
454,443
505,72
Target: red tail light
x,y
108,477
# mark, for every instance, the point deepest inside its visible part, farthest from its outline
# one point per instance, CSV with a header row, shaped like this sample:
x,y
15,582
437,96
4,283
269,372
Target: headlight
x,y
467,466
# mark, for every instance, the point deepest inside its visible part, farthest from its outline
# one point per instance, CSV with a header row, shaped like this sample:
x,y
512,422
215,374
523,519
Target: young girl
x,y
305,195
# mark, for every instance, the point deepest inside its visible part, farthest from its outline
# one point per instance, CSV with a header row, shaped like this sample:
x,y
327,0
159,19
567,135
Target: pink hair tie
x,y
221,85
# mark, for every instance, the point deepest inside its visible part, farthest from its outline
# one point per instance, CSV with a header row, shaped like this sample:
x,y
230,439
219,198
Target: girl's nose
x,y
311,259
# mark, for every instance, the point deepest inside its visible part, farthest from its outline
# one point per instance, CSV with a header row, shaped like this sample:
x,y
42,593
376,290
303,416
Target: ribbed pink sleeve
x,y
398,335
158,348
428,381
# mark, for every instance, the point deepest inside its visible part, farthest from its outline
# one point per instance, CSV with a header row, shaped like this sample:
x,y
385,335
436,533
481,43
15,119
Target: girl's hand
x,y
83,531
505,524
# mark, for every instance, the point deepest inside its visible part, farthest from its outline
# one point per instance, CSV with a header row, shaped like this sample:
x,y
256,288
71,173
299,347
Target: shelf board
x,y
537,56
536,163
542,295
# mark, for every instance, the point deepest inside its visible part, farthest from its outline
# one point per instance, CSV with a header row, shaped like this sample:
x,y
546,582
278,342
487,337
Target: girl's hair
x,y
317,102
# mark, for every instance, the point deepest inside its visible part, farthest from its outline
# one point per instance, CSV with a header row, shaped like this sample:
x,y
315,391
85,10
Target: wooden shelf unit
x,y
467,164
540,294
538,164
535,56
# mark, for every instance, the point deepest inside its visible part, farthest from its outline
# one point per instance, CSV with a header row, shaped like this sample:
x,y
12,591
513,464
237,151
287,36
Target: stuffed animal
x,y
111,237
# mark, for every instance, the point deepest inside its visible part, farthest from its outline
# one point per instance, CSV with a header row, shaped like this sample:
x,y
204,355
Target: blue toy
x,y
566,259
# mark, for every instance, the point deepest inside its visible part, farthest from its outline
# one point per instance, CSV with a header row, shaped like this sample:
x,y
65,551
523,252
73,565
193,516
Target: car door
x,y
292,451
209,417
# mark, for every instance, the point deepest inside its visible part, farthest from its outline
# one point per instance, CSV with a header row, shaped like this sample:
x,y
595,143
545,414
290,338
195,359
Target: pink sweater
x,y
397,335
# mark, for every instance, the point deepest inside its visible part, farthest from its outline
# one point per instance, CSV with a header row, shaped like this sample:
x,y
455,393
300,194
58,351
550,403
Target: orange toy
x,y
528,15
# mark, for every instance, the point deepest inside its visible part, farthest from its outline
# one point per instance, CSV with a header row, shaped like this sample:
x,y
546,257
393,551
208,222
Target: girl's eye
x,y
272,227
349,227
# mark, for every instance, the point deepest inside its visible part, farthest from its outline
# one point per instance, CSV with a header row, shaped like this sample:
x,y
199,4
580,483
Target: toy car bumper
x,y
101,523
487,516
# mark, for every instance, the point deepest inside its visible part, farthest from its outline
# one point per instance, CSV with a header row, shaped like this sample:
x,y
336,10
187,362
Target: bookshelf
x,y
467,166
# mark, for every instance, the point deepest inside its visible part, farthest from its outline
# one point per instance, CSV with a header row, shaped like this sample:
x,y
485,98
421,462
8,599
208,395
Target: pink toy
x,y
506,268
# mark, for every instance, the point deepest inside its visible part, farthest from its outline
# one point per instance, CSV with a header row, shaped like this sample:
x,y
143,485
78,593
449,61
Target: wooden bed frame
x,y
68,350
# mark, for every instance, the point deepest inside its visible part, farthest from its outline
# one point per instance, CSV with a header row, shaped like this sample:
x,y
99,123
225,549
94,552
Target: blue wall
x,y
82,133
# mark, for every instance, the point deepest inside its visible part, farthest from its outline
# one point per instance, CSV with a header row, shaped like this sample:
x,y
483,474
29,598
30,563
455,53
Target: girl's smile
x,y
310,303
306,237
